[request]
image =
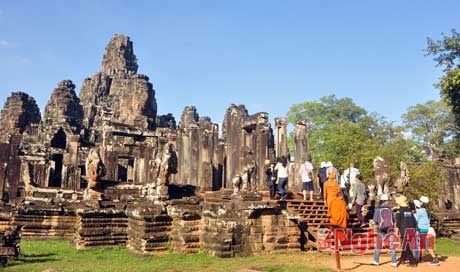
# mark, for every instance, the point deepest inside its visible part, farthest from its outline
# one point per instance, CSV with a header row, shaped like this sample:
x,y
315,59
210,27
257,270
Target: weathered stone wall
x,y
10,166
149,228
46,224
301,152
101,228
19,112
246,228
197,142
248,141
186,226
281,143
450,193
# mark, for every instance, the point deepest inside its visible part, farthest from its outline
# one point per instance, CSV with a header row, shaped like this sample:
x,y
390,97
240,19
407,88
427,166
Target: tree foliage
x,y
341,131
446,53
431,124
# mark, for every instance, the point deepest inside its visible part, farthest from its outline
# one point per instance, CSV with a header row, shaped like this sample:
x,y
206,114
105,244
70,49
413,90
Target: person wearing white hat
x,y
331,169
427,239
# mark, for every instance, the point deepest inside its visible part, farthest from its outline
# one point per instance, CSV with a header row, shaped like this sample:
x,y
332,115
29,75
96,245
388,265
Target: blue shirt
x,y
423,222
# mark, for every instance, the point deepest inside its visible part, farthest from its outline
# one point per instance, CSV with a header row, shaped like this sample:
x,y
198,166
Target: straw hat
x,y
417,203
329,164
424,199
323,164
402,201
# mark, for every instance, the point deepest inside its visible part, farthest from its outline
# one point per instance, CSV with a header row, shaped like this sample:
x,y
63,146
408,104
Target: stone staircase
x,y
314,222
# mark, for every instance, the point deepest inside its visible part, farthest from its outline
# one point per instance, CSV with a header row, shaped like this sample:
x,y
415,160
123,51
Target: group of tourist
x,y
411,223
277,177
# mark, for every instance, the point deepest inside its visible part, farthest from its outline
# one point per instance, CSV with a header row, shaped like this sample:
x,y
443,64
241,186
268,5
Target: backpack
x,y
386,219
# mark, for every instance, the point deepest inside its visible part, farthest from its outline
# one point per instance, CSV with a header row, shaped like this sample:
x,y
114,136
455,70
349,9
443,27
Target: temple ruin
x,y
104,168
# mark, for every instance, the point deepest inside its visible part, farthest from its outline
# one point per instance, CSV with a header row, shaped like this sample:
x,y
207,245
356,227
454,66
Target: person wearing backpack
x,y
407,225
385,225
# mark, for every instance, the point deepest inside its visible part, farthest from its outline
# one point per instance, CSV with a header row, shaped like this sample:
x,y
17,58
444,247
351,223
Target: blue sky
x,y
265,54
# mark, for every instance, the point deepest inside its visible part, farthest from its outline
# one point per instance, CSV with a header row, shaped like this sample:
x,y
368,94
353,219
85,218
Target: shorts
x,y
307,186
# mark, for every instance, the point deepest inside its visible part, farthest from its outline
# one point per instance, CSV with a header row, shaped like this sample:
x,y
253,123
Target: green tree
x,y
446,54
341,131
431,125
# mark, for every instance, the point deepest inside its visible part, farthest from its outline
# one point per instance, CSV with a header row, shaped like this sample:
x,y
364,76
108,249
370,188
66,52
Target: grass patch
x,y
41,255
447,247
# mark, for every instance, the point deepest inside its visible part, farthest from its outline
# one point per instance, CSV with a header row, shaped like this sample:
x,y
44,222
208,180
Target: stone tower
x,y
118,93
20,111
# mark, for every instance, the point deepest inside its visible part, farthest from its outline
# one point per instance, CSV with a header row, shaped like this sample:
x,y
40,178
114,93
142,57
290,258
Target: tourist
x,y
350,174
425,200
407,226
385,225
358,198
337,211
322,176
331,188
423,225
270,176
306,172
331,169
283,173
344,188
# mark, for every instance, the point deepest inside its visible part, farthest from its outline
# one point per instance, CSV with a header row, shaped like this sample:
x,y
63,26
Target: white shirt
x,y
305,170
283,172
352,171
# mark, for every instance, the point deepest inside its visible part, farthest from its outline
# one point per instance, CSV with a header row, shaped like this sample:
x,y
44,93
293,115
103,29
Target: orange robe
x,y
338,213
331,188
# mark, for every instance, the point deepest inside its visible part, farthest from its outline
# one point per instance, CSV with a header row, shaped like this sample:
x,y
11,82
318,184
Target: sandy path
x,y
361,263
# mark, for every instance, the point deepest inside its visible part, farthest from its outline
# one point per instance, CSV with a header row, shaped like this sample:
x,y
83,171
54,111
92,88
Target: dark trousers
x,y
407,253
321,185
272,188
359,214
282,187
346,195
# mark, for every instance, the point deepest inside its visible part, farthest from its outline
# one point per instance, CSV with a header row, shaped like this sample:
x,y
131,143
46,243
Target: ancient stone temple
x,y
103,168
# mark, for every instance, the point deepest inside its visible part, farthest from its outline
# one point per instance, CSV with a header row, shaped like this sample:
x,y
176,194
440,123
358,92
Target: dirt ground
x,y
362,263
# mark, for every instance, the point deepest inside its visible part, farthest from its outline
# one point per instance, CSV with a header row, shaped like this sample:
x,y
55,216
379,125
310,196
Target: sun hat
x,y
417,203
323,164
424,199
384,197
402,201
329,164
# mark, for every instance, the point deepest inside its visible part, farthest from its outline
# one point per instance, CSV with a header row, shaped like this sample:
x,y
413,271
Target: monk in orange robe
x,y
331,188
337,211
